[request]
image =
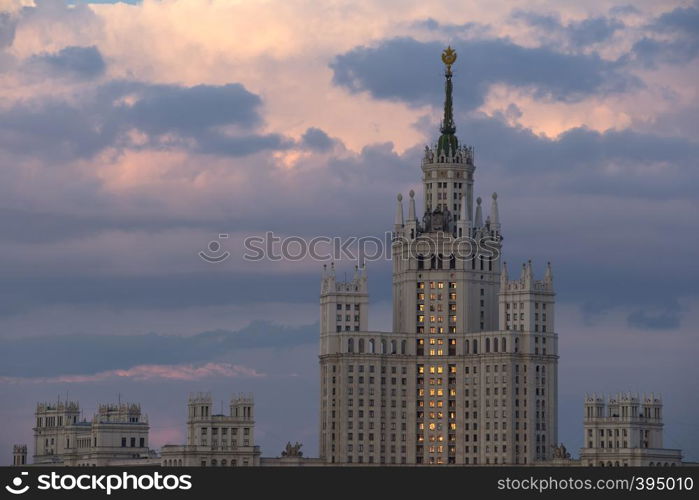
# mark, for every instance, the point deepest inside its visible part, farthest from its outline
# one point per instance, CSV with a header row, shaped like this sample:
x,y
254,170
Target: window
x,y
123,442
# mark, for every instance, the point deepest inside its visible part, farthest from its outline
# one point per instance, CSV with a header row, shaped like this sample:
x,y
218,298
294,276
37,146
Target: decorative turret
x,y
494,214
398,222
527,274
411,207
343,304
504,277
479,213
464,224
548,276
242,406
19,455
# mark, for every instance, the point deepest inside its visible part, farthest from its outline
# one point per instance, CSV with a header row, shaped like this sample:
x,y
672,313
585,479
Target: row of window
x,y
371,345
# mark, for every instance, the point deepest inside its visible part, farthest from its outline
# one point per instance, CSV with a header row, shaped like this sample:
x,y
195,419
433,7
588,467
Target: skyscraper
x,y
469,373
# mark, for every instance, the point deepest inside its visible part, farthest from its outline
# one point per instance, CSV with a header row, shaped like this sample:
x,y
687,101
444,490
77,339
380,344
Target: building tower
x,y
459,379
626,430
19,454
198,410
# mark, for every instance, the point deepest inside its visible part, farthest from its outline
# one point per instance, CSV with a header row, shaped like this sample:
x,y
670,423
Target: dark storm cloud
x,y
189,110
622,10
85,354
470,28
74,62
316,140
381,71
577,34
666,319
579,158
685,20
8,24
166,292
62,130
682,26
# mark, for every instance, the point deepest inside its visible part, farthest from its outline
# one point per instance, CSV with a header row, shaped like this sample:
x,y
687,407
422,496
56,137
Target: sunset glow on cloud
x,y
183,373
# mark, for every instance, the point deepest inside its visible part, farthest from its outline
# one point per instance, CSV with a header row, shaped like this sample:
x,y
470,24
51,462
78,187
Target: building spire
x,y
448,143
399,212
479,212
494,214
548,276
411,207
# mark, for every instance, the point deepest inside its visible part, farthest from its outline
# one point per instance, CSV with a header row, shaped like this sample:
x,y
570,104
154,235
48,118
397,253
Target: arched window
x,y
452,261
350,345
495,344
433,261
384,347
394,347
214,463
504,344
440,261
404,347
475,346
361,346
180,462
487,345
224,463
372,346
420,261
466,345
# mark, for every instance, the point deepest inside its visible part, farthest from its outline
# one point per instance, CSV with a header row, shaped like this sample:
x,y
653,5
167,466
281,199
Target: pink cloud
x,y
149,372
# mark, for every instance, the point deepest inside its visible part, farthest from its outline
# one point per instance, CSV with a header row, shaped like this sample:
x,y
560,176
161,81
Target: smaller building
x,y
216,440
117,432
625,430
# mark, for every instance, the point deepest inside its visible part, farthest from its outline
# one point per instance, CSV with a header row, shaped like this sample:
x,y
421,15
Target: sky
x,y
134,133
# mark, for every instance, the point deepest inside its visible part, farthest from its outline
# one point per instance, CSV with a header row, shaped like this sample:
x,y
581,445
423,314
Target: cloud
x,y
146,373
74,62
8,24
317,140
644,319
381,71
168,108
574,35
111,355
679,42
171,116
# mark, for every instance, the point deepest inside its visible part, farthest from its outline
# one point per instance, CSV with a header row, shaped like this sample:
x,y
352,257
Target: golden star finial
x,y
449,57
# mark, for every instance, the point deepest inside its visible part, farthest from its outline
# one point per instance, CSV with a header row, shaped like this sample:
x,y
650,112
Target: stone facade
x,y
468,375
117,432
216,439
625,430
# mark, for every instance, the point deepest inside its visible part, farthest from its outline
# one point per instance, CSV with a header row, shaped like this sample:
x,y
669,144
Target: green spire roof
x,y
448,143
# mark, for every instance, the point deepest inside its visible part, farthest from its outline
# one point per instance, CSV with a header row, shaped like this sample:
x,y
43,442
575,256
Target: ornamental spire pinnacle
x,y
448,142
